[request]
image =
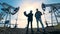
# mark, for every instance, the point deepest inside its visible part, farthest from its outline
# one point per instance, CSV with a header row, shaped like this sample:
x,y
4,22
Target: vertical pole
x,y
10,20
16,21
10,17
56,17
5,24
52,16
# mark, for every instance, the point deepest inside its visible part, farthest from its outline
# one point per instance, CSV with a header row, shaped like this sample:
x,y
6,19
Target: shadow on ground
x,y
48,30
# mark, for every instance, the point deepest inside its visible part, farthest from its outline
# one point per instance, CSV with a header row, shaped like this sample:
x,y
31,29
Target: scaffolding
x,y
54,10
9,10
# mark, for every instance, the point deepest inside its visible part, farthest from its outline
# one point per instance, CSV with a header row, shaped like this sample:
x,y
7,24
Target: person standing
x,y
38,18
30,19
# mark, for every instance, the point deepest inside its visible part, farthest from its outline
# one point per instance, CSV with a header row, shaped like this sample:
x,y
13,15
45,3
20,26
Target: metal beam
x,y
57,5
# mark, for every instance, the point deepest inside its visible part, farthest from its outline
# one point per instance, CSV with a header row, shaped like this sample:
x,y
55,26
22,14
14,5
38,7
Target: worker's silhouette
x,y
38,18
30,19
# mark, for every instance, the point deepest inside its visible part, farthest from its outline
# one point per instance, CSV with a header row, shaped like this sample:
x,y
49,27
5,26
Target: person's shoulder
x,y
36,12
39,11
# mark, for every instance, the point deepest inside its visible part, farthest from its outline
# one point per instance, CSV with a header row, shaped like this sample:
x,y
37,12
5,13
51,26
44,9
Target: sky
x,y
27,5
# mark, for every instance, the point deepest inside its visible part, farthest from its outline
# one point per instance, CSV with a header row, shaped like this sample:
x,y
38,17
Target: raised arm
x,y
25,14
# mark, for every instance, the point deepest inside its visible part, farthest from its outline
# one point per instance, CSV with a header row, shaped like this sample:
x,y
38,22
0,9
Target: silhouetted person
x,y
30,19
38,18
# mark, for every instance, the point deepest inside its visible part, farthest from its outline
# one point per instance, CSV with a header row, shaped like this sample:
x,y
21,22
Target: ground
x,y
48,30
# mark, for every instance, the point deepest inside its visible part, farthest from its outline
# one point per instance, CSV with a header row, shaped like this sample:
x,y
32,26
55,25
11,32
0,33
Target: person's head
x,y
30,11
37,9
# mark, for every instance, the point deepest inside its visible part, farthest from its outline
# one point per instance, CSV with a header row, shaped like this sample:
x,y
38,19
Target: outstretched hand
x,y
25,13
